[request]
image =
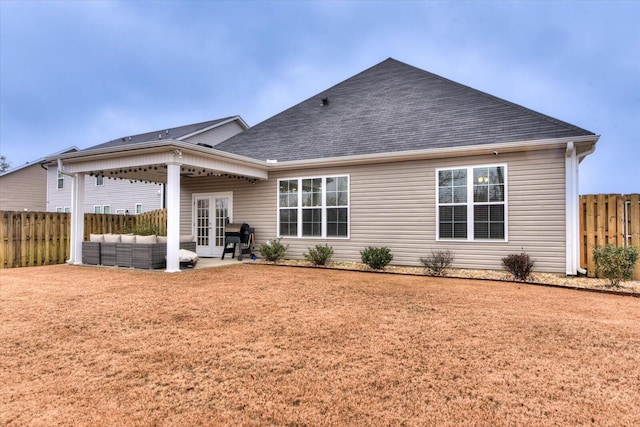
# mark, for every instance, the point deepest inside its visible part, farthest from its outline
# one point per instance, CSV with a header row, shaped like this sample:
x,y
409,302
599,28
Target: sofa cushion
x,y
112,238
96,237
128,238
147,239
186,238
162,239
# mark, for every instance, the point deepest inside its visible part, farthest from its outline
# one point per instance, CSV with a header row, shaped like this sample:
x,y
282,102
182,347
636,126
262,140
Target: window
x,y
472,203
99,180
138,208
59,210
314,207
106,209
67,209
97,209
60,180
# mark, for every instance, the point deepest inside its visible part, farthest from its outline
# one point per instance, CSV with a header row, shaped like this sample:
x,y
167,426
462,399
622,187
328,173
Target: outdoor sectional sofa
x,y
128,250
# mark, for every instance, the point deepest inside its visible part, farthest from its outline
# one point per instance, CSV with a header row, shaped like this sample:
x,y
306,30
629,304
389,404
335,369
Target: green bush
x,y
144,228
376,258
615,264
320,255
520,265
273,250
437,263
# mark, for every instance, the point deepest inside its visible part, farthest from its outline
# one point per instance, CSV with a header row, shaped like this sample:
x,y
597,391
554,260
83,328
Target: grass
x,y
265,345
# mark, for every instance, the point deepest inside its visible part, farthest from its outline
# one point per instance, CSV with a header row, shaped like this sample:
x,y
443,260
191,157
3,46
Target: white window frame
x,y
471,204
67,209
105,208
97,209
58,209
99,180
323,207
120,211
138,211
60,182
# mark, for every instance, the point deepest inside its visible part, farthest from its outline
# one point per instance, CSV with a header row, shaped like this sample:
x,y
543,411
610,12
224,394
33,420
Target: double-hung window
x,y
314,207
472,203
60,180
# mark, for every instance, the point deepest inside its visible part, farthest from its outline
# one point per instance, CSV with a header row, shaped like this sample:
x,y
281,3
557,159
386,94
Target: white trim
x,y
135,209
435,153
104,207
470,204
299,208
99,209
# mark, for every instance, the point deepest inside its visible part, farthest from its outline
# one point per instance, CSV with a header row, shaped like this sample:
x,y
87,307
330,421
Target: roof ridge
x,y
205,123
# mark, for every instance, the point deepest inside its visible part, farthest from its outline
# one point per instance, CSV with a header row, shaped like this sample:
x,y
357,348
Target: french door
x,y
211,212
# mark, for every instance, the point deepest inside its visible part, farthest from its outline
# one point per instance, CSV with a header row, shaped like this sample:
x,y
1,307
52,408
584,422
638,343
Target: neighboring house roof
x,y
393,107
39,161
177,133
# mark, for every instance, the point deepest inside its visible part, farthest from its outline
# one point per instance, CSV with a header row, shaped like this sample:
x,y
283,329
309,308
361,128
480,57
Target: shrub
x,y
437,263
144,228
320,255
376,258
615,264
520,265
273,250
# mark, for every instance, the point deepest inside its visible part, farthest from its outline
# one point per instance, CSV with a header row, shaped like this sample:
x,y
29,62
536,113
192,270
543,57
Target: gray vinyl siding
x,y
394,205
117,193
24,189
217,135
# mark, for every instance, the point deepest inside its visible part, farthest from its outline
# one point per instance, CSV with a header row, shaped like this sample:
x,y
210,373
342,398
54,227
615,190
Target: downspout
x,y
61,168
571,211
579,158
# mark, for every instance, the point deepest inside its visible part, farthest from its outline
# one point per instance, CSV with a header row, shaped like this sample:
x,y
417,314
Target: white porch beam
x,y
173,217
77,218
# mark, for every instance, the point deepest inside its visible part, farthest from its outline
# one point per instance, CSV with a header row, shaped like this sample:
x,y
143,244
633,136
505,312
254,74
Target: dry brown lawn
x,y
265,345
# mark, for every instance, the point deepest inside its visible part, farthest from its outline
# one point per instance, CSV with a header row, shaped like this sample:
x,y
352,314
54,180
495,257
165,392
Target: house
x,y
105,194
24,188
394,156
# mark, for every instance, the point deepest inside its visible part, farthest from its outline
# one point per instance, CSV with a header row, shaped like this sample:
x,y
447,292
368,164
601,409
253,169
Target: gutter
x,y
470,150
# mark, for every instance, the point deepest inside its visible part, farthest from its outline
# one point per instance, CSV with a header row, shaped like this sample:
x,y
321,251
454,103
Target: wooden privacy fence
x,y
608,218
29,239
119,224
34,238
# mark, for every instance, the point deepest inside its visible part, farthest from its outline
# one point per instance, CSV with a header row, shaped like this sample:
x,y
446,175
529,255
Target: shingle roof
x,y
393,107
171,133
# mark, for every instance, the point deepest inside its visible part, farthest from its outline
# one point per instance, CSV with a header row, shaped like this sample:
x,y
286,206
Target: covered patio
x,y
163,161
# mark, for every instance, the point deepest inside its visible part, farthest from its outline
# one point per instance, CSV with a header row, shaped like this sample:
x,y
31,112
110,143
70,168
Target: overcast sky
x,y
81,73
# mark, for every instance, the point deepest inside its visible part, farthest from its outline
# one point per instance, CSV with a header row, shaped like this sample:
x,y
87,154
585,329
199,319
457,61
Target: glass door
x,y
211,212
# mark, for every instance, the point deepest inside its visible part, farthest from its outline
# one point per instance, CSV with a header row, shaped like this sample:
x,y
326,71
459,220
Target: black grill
x,y
241,235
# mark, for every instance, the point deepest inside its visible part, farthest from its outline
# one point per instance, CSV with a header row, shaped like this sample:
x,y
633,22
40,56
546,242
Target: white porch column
x,y
77,218
173,217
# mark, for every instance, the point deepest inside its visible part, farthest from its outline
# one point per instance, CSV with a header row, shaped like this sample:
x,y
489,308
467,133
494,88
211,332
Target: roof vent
x,y
325,101
202,144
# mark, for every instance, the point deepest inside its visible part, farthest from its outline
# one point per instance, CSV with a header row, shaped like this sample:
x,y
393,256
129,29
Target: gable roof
x,y
39,161
393,107
176,133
